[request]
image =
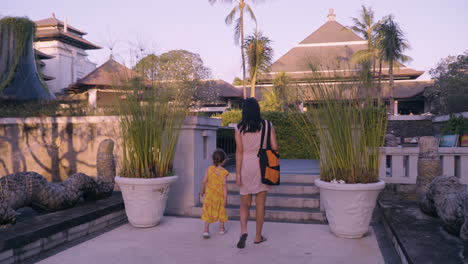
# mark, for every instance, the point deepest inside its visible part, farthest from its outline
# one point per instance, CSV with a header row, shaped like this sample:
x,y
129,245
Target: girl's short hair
x,y
219,156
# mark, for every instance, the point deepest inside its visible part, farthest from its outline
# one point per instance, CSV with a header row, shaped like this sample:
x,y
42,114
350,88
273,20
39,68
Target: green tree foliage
x,y
455,125
237,17
366,26
180,66
237,81
280,88
385,43
148,66
392,45
259,56
173,65
270,101
449,94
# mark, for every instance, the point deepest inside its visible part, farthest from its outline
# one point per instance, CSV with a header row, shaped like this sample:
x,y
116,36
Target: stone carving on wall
x,y
30,189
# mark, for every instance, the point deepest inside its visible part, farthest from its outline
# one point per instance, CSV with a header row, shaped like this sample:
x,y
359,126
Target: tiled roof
x,y
54,34
331,31
54,22
109,74
329,48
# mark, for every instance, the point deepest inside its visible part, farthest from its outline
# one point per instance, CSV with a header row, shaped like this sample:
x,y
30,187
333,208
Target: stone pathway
x,y
178,240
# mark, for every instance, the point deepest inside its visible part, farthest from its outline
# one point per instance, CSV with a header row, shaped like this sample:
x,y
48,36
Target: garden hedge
x,y
288,134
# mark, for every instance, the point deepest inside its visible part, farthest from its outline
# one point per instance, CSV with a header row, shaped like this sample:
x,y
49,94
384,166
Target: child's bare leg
x,y
221,226
207,227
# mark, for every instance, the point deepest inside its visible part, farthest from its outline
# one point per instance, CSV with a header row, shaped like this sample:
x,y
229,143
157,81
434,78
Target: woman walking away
x,y
214,192
248,175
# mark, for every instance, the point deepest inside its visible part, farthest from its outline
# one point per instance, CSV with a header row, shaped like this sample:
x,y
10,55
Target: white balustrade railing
x,y
400,165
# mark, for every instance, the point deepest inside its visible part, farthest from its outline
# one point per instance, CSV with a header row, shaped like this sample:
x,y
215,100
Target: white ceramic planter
x,y
349,207
145,199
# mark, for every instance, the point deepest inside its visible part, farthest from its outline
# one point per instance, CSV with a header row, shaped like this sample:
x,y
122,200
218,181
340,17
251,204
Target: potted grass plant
x,y
349,120
151,116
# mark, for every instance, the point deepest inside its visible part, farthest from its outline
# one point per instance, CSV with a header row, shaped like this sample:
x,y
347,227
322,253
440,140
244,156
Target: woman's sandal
x,y
261,241
241,243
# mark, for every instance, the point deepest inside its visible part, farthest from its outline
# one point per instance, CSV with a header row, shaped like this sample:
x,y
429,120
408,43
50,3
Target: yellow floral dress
x,y
213,202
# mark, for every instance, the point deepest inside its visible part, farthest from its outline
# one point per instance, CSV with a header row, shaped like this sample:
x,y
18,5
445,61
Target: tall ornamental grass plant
x,y
350,124
151,115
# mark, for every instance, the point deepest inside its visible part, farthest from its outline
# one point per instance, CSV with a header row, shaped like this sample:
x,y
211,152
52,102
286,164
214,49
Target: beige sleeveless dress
x,y
250,171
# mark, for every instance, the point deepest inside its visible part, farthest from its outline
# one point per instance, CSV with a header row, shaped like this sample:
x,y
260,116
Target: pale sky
x,y
434,28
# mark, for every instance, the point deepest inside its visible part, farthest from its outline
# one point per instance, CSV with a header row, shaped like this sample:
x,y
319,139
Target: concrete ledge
x,y
39,234
419,238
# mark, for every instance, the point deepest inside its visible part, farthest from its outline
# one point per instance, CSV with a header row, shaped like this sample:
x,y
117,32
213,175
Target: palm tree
x,y
239,8
259,55
367,27
392,44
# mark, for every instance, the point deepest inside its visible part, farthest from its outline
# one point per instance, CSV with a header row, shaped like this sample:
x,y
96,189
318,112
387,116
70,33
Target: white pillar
x,y
92,97
395,107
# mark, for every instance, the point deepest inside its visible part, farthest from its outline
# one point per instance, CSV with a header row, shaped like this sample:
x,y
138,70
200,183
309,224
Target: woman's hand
x,y
239,181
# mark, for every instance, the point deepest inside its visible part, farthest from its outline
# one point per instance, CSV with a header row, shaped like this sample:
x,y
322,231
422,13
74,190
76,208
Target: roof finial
x,y
53,14
331,15
65,25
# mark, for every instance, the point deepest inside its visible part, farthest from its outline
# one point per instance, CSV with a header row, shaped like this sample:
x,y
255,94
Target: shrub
x,y
287,133
230,117
455,125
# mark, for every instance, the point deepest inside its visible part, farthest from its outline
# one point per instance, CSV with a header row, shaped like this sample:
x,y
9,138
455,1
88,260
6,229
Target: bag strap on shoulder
x,y
268,144
266,129
263,135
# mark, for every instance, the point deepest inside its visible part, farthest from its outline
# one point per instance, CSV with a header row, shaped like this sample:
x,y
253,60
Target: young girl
x,y
214,192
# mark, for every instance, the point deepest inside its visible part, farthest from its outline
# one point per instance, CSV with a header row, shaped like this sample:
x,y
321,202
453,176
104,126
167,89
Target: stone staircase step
x,y
282,214
283,188
288,178
276,214
302,201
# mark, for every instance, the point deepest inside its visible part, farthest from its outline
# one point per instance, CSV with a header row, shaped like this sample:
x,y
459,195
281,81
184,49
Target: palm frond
x,y
216,1
231,16
237,31
363,56
251,13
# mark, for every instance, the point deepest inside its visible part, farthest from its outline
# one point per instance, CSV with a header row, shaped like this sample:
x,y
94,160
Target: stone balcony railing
x,y
400,165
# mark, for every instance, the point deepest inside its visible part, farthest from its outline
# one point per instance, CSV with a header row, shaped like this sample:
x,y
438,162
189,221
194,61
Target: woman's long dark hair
x,y
251,119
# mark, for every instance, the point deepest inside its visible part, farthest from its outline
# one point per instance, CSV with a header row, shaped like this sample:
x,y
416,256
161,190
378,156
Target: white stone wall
x,y
68,65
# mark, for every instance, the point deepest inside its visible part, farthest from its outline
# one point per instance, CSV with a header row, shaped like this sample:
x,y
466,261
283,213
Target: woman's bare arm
x,y
274,143
239,156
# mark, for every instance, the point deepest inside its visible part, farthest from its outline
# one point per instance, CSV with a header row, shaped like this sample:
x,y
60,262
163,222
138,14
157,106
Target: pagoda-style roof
x,y
54,29
109,74
327,50
56,23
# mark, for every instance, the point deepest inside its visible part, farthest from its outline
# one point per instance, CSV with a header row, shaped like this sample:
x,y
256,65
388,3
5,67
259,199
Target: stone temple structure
x,y
330,48
67,46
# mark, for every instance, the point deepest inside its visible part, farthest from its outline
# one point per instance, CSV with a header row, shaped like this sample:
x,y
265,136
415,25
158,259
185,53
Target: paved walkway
x,y
178,240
